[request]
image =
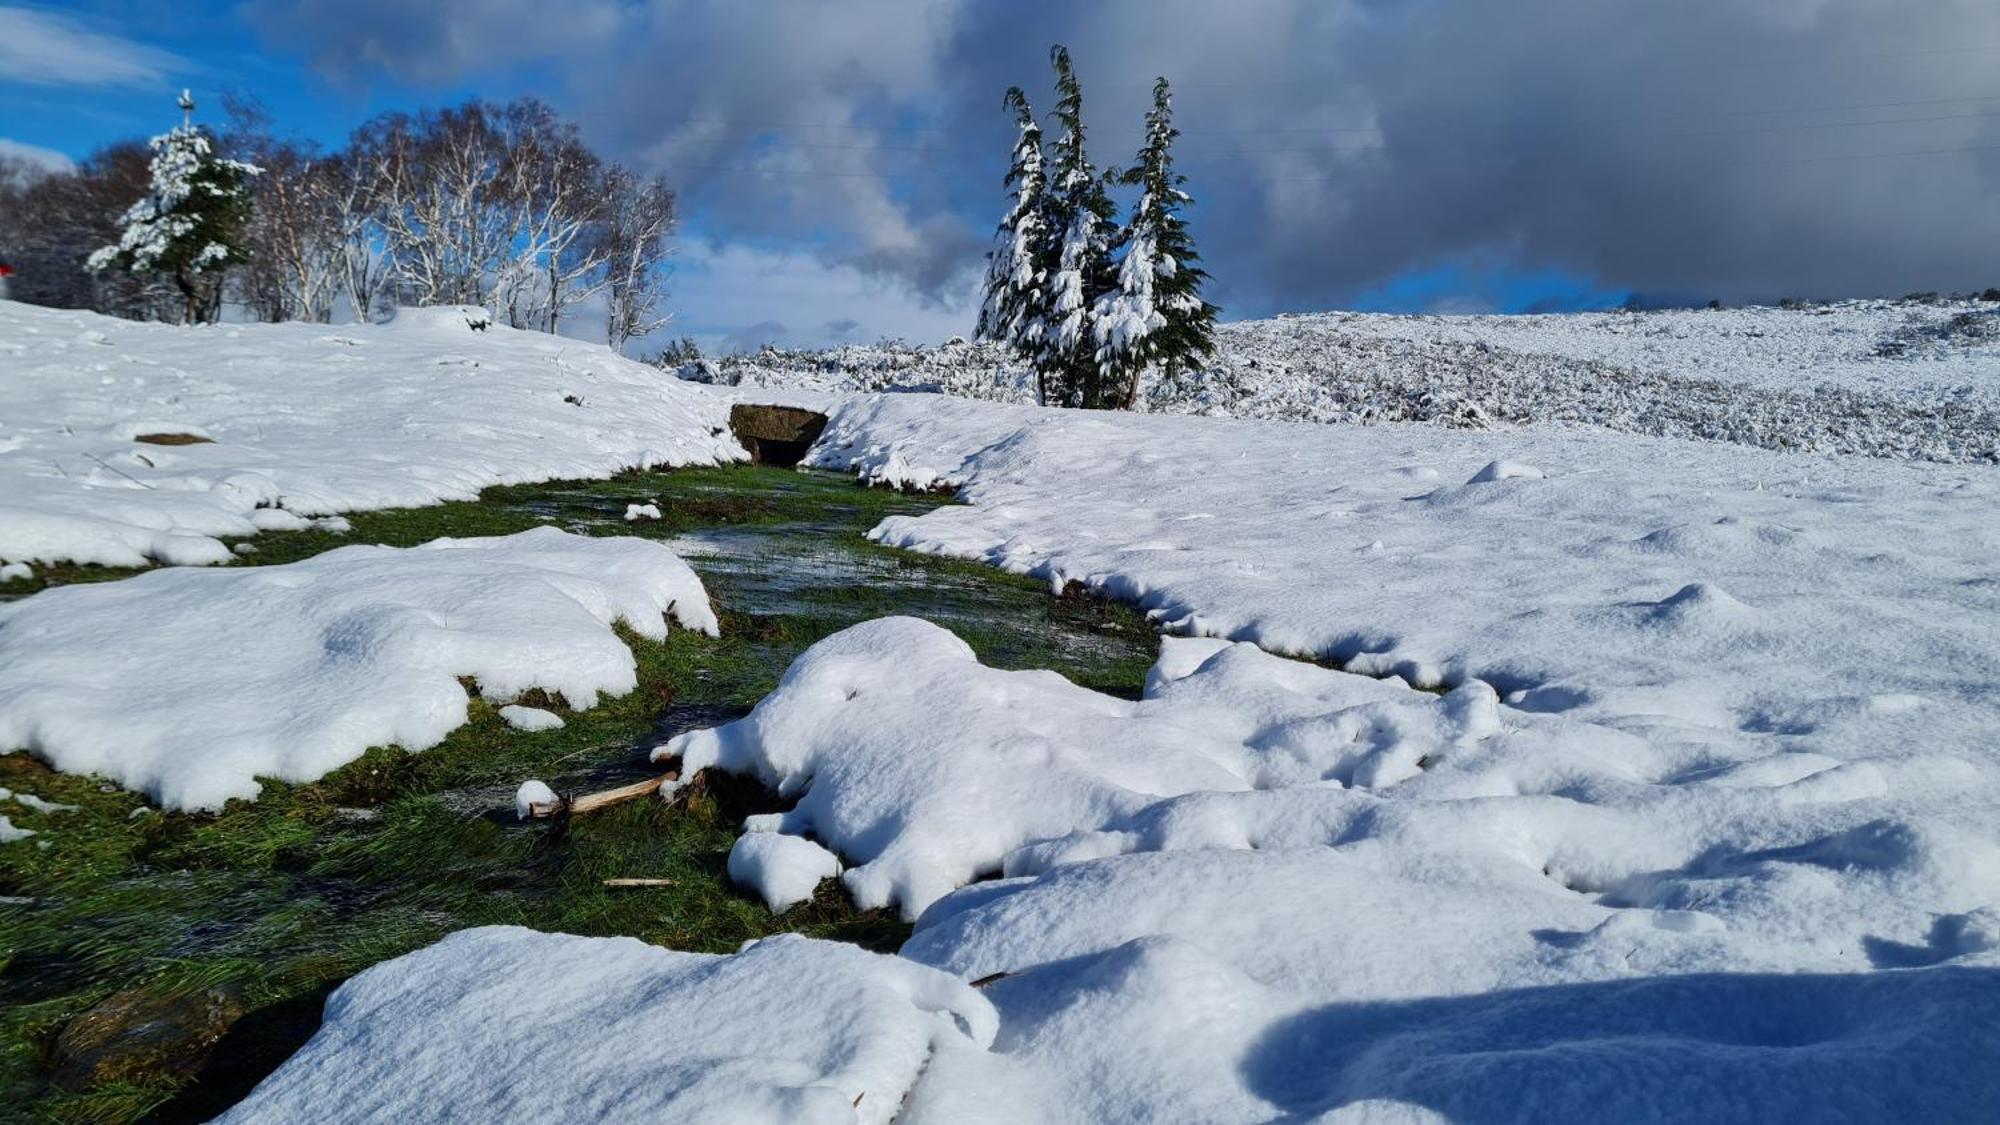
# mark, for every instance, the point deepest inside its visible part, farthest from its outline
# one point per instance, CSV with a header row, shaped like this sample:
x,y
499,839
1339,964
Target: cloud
x,y
438,43
1734,150
34,157
45,49
740,296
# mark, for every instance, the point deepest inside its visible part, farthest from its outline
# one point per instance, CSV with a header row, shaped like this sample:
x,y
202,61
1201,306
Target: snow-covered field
x,y
1698,820
1886,379
302,421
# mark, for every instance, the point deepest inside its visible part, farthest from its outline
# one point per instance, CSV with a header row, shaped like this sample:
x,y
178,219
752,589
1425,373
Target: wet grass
x,y
279,900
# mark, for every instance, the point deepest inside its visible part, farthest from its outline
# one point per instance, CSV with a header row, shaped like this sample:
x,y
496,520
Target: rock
x,y
775,435
139,1034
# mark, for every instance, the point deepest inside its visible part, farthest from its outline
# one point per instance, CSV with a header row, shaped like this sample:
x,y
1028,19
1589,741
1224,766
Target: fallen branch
x,y
640,882
591,802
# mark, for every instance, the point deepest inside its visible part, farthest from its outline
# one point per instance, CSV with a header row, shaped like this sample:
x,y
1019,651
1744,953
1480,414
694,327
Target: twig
x,y
116,469
591,802
641,882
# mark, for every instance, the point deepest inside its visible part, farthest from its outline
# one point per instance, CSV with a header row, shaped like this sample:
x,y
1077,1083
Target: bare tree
x,y
640,219
553,185
293,235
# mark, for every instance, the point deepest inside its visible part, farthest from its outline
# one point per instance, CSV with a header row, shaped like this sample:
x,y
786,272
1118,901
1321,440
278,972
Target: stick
x,y
591,802
639,882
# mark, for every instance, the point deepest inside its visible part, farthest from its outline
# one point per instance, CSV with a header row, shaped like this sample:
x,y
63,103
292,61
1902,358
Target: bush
x,y
679,352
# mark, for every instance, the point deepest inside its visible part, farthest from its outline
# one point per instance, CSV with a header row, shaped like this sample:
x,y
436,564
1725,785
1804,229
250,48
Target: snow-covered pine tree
x,y
1081,210
1155,319
1015,311
189,225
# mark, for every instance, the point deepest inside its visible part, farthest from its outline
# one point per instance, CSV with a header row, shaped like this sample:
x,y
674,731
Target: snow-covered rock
x,y
189,685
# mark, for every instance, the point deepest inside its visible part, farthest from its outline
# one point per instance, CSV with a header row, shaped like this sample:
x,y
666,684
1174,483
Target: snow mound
x,y
1506,470
785,870
190,685
304,425
925,769
503,1023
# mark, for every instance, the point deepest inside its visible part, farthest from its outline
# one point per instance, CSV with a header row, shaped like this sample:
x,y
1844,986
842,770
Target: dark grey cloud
x,y
1704,148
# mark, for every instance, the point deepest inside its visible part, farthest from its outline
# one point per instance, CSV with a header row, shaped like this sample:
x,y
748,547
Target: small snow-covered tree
x,y
189,224
1080,209
1155,320
1015,310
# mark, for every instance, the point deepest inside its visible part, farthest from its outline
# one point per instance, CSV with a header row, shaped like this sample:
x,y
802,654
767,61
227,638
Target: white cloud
x,y
735,295
45,49
35,156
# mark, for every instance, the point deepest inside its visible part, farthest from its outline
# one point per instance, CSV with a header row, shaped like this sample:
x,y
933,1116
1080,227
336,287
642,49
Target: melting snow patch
x,y
302,667
530,794
785,870
530,718
636,512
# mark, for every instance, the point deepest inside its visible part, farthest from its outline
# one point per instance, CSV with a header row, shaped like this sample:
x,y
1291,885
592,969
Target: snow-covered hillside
x,y
1885,379
294,421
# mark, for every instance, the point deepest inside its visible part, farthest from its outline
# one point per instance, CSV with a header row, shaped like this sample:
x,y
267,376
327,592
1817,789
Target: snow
x,y
504,1023
30,801
1523,917
10,834
16,572
304,666
1900,380
1640,778
636,512
530,794
530,718
785,870
1721,602
305,423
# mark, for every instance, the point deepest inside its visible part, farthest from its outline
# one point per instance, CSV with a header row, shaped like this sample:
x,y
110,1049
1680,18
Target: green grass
x,y
281,899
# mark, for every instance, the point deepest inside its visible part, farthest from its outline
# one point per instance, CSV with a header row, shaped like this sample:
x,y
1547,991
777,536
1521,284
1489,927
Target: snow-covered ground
x,y
303,421
1267,891
1703,824
1887,379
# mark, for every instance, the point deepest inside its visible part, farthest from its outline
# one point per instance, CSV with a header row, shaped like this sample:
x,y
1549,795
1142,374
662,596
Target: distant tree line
x,y
1093,306
500,205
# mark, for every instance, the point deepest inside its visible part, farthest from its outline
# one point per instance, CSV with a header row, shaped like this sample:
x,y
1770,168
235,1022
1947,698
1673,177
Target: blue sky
x,y
838,163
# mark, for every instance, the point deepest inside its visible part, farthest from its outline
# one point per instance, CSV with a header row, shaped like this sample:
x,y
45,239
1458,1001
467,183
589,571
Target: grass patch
x,y
281,899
